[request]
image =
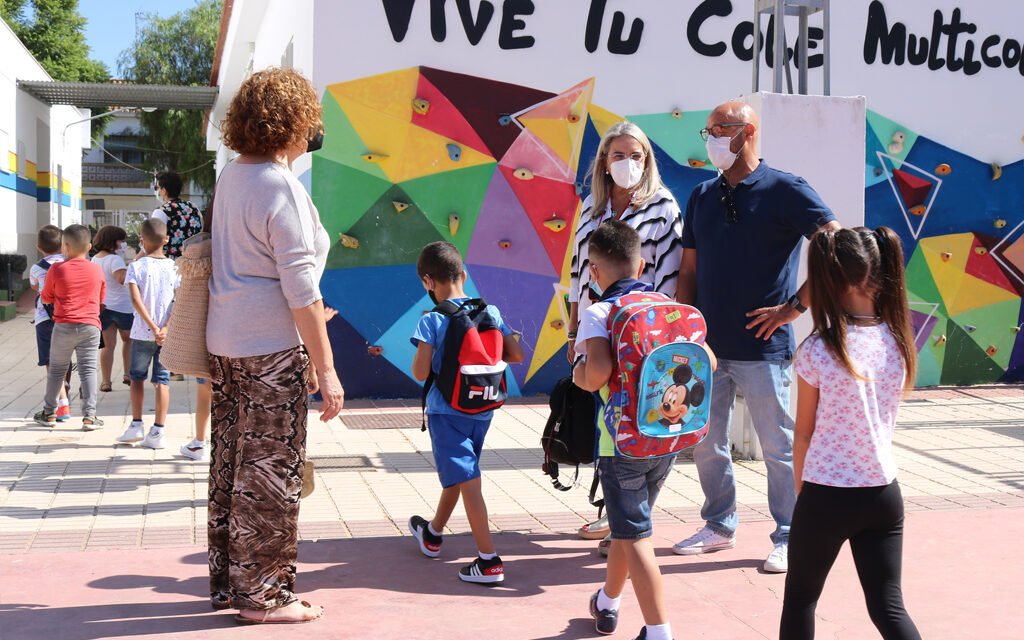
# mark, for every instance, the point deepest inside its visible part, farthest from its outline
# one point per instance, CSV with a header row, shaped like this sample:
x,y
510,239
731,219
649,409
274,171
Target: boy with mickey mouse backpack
x,y
644,356
462,347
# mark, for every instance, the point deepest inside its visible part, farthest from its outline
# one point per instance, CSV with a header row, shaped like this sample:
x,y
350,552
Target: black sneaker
x,y
605,620
46,417
643,634
430,545
483,571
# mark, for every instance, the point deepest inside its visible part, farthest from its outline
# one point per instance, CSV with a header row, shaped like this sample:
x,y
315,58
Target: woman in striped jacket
x,y
626,186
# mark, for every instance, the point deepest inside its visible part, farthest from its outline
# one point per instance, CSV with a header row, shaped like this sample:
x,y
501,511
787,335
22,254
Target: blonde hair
x,y
601,183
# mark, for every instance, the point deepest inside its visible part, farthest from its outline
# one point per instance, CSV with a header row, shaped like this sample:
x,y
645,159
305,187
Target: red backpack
x,y
660,390
472,375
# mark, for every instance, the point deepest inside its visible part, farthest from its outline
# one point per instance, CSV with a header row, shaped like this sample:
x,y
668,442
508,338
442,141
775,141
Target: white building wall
x,y
33,152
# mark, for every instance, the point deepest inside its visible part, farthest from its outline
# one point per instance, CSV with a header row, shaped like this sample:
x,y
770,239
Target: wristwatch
x,y
794,301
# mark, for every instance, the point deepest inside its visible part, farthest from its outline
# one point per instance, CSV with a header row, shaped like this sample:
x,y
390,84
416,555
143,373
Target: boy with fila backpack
x,y
462,348
644,356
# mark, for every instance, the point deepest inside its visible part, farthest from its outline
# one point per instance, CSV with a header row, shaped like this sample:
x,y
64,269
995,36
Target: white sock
x,y
63,402
430,528
659,631
157,429
487,556
136,423
605,603
196,444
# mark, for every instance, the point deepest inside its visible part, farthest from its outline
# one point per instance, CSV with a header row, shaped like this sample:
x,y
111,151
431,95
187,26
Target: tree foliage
x,y
53,31
176,50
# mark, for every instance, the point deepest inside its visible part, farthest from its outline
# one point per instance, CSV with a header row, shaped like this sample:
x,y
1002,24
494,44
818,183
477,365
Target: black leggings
x,y
871,518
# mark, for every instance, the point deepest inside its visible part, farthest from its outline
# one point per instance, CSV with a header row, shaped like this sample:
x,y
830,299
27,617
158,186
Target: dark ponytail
x,y
843,259
891,301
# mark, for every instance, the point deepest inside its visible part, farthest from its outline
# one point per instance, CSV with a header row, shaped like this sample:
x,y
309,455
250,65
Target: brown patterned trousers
x,y
258,438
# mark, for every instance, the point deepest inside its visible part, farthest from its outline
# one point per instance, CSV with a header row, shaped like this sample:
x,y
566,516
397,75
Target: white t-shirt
x,y
593,324
37,278
117,298
159,215
157,279
853,426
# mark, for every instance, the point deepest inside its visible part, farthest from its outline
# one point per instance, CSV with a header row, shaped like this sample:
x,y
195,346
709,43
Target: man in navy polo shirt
x,y
741,249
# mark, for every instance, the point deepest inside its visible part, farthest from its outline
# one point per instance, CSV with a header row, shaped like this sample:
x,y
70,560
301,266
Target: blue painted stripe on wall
x,y
17,183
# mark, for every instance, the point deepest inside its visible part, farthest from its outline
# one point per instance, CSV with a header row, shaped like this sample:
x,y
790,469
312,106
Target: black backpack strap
x,y
44,264
593,492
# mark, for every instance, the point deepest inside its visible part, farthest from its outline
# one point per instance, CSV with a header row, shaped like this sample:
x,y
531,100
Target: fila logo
x,y
484,393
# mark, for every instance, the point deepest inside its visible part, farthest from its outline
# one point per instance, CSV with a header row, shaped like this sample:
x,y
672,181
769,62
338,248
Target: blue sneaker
x,y
605,620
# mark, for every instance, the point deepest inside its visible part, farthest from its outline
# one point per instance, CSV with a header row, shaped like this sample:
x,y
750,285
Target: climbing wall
x,y
422,154
961,225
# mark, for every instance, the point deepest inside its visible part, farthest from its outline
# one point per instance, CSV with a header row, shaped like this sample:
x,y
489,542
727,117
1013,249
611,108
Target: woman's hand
x,y
329,313
333,395
313,385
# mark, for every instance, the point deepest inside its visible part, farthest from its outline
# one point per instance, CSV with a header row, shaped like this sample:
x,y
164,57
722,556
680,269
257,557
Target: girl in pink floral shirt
x,y
851,374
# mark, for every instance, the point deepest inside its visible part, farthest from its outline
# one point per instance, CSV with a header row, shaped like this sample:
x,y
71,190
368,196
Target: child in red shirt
x,y
75,288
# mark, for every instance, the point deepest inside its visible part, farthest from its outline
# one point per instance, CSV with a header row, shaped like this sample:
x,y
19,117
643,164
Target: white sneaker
x,y
199,453
133,433
153,439
778,559
705,540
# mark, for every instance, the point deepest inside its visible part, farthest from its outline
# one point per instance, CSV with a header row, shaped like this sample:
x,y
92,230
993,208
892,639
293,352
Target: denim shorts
x,y
123,321
631,485
144,352
457,443
44,330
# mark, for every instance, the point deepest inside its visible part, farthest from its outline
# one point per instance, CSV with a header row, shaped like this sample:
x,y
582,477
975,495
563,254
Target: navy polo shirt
x,y
753,262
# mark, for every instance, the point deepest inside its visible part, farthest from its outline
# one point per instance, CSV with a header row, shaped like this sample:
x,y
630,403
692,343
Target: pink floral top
x,y
853,427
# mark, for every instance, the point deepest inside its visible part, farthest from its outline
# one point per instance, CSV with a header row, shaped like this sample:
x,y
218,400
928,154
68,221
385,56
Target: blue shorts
x,y
457,443
43,332
631,485
122,320
144,352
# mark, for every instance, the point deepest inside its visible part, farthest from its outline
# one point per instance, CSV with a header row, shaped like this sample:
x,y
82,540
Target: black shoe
x,y
483,571
430,545
643,634
605,620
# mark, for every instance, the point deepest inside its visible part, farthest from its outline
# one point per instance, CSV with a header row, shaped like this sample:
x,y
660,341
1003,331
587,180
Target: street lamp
x,y
63,144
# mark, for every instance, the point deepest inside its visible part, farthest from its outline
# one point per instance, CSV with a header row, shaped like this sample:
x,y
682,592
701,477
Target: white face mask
x,y
626,172
719,152
156,194
122,249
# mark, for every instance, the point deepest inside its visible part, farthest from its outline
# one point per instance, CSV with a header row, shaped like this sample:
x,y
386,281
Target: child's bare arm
x,y
806,410
421,361
596,369
140,308
512,351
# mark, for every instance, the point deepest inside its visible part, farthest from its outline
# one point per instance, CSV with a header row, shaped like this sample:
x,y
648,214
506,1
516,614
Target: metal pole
x,y
780,44
757,48
802,62
60,203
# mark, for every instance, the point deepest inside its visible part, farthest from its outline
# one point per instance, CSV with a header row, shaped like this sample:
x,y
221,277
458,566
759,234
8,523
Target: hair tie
x,y
880,238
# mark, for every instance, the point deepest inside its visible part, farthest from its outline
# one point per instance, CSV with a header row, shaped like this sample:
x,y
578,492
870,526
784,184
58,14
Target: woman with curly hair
x,y
268,345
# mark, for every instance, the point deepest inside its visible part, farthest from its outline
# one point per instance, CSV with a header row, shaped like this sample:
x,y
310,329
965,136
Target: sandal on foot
x,y
105,387
219,602
126,381
267,620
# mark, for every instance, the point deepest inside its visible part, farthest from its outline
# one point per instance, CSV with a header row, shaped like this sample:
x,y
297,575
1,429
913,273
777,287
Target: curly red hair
x,y
273,110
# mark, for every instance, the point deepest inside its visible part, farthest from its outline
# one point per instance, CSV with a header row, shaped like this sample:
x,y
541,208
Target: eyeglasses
x,y
718,130
731,217
635,157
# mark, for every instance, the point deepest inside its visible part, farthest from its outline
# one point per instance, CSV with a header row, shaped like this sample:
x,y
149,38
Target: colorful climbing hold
x,y
375,350
555,224
1017,328
557,324
896,146
991,351
970,328
941,340
505,120
999,223
997,171
573,118
454,152
579,188
946,255
421,106
374,157
505,244
523,173
677,113
695,163
348,241
919,210
943,170
980,250
400,206
453,223
878,171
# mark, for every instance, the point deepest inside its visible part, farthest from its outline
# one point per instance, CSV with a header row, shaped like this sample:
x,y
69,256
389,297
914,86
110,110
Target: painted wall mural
x,y
421,154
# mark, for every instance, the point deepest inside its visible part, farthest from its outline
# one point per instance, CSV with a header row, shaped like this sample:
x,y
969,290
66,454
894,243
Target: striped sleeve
x,y
578,275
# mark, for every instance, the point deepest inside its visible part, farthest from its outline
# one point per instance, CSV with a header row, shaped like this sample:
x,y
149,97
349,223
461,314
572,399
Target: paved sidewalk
x,y
88,526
